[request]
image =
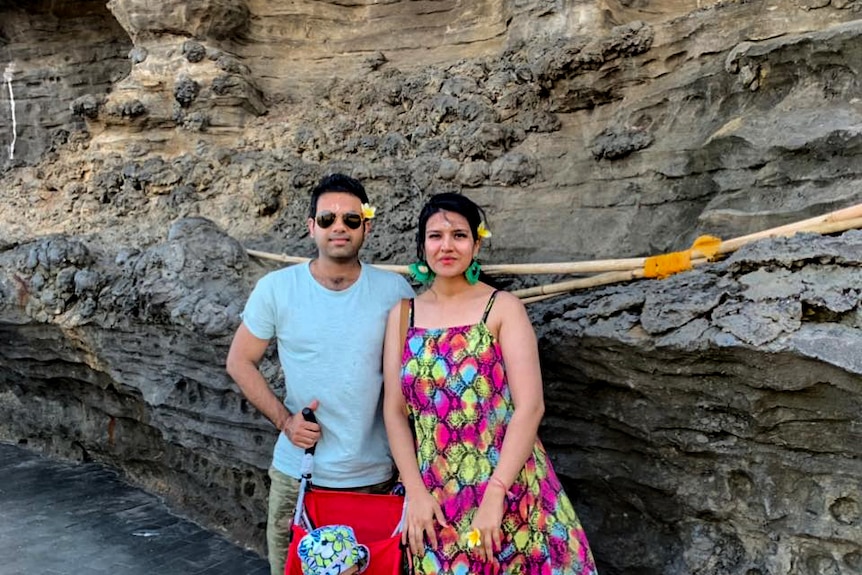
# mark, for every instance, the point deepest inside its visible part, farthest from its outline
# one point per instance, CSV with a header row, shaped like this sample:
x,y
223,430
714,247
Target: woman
x,y
482,495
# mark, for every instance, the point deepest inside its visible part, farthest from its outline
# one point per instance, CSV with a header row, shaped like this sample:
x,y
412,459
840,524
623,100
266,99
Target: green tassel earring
x,y
472,272
420,272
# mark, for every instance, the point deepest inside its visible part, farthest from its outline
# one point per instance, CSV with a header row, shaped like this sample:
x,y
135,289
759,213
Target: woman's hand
x,y
422,510
488,520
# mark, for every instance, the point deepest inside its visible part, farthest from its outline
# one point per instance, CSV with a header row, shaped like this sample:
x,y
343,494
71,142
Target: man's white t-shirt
x,y
330,344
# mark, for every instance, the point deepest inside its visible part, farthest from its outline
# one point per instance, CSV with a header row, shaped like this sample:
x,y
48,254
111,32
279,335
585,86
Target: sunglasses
x,y
351,219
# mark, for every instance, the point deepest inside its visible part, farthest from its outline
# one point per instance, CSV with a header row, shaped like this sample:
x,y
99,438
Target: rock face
x,y
53,53
119,357
591,130
706,423
181,77
710,421
703,424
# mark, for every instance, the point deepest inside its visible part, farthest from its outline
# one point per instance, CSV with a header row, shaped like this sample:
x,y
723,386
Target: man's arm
x,y
243,359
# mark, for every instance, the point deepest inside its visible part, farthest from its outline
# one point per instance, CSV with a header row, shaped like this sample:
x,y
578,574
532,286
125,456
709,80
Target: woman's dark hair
x,y
336,183
449,202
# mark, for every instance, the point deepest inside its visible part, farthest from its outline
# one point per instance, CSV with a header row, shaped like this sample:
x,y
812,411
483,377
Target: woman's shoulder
x,y
508,309
506,299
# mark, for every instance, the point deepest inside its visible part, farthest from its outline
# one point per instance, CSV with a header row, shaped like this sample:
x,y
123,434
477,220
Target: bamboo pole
x,y
582,283
535,298
585,283
625,269
562,268
838,221
399,269
565,268
835,221
819,226
277,257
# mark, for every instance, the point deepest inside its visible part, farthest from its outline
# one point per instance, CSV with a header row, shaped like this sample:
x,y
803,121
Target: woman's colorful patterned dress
x,y
454,382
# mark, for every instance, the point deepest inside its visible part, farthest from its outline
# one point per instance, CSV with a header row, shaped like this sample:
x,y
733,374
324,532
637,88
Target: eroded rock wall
x,y
53,53
710,421
119,357
587,129
703,424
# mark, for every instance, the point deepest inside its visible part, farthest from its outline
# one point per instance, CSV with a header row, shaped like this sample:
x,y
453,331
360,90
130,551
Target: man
x,y
329,319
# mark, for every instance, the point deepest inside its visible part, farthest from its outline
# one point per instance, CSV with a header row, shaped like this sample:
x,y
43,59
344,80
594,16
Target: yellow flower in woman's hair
x,y
473,538
483,231
368,211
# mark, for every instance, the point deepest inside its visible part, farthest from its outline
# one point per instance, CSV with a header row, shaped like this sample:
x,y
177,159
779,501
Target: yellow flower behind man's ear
x,y
368,211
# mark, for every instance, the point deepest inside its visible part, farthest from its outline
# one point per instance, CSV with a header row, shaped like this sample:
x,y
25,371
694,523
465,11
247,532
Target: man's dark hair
x,y
336,183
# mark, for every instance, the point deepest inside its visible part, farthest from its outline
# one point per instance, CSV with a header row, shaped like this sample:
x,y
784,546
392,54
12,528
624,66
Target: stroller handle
x,y
308,415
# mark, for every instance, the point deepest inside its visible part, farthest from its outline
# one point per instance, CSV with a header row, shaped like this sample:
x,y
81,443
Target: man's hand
x,y
302,433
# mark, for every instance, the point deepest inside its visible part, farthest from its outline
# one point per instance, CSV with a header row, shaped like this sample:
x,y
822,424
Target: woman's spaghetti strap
x,y
488,306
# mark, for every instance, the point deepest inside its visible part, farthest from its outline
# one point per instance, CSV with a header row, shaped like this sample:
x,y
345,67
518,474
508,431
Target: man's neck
x,y
334,275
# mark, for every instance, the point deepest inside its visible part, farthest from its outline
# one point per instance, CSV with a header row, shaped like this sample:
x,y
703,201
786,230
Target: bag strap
x,y
405,319
406,308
